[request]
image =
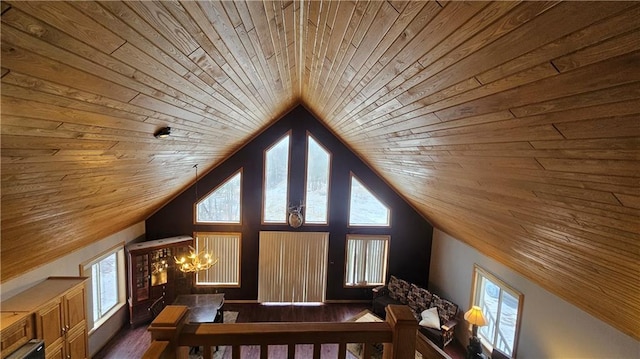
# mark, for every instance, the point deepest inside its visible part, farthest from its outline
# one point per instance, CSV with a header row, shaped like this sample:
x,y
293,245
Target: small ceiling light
x,y
163,132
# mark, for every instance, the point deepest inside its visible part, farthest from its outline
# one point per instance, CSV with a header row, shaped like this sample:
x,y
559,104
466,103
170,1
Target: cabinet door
x,y
54,352
141,277
74,302
50,323
77,344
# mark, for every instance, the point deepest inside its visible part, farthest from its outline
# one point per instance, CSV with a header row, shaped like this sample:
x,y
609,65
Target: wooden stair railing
x,y
171,336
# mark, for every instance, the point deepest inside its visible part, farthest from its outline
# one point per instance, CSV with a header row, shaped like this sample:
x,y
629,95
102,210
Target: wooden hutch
x,y
152,275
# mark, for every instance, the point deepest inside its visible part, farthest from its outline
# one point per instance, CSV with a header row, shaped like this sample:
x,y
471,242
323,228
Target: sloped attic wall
x,y
410,244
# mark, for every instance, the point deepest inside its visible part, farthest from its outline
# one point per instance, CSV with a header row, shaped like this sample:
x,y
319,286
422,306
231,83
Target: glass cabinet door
x,y
142,277
160,266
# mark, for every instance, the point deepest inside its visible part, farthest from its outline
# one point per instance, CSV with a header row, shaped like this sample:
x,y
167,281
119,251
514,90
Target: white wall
x,y
550,327
69,265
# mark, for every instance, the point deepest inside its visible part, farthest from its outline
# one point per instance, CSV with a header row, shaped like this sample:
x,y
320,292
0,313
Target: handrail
x,y
398,334
502,342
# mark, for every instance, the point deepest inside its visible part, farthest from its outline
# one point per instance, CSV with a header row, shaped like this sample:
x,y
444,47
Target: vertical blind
x,y
292,266
366,260
225,247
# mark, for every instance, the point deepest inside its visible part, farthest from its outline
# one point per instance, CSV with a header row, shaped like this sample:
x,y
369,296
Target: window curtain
x,y
366,260
292,266
225,247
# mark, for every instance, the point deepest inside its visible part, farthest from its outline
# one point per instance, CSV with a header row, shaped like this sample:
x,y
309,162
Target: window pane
x,y
507,322
223,204
108,283
95,286
366,261
364,208
500,305
276,182
489,304
317,193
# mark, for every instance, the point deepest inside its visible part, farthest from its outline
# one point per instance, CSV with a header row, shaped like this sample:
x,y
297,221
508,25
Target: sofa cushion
x,y
398,289
446,309
418,299
430,318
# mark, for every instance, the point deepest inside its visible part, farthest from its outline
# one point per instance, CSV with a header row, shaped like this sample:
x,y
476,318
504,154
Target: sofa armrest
x,y
448,326
447,331
379,291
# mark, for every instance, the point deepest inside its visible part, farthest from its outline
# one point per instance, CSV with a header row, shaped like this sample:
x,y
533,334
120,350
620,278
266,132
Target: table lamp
x,y
475,317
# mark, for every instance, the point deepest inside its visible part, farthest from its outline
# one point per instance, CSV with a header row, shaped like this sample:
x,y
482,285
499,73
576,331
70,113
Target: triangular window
x,y
222,205
365,209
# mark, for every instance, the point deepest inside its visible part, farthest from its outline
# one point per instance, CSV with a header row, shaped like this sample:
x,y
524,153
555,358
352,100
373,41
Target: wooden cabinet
x,y
152,274
62,325
58,311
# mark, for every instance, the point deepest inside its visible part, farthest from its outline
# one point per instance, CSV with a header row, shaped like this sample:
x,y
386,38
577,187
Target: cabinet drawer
x,y
17,333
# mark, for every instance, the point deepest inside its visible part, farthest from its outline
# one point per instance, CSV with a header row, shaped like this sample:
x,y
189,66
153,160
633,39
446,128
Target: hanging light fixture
x,y
195,261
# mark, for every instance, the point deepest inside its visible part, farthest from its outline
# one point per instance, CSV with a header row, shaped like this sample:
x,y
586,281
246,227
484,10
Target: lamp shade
x,y
474,316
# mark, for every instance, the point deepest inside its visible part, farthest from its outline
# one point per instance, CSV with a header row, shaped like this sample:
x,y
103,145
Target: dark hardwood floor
x,y
132,342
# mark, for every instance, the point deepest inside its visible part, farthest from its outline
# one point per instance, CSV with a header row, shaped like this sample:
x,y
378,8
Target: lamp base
x,y
474,349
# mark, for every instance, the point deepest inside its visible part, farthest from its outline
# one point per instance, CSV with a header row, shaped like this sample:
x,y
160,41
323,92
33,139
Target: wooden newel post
x,y
166,327
404,327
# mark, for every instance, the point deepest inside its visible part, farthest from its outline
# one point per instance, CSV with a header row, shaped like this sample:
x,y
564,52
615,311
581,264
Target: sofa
x,y
437,316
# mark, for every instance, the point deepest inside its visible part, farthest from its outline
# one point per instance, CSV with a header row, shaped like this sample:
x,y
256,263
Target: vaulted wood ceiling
x,y
512,126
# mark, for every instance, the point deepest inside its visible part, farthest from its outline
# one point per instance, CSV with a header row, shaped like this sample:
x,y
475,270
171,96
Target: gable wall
x,y
410,244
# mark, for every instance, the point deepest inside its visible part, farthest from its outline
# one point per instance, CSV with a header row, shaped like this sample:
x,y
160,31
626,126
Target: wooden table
x,y
203,308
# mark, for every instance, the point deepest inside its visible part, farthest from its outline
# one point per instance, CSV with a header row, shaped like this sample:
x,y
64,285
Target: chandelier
x,y
195,262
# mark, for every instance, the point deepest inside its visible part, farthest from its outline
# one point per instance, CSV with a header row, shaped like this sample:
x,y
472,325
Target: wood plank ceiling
x,y
512,126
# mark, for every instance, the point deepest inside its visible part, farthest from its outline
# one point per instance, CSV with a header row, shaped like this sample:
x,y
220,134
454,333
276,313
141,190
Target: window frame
x,y
306,180
86,270
264,180
239,261
386,238
195,206
479,272
373,193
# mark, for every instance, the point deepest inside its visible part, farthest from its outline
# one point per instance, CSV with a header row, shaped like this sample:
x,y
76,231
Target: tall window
x,y
222,205
106,292
366,260
501,306
276,182
225,248
317,191
365,209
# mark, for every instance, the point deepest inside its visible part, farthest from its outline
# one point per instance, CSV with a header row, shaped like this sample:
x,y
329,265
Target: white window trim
x,y
85,271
